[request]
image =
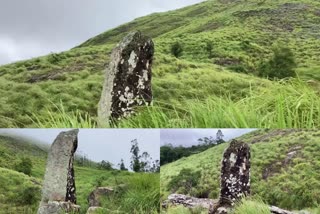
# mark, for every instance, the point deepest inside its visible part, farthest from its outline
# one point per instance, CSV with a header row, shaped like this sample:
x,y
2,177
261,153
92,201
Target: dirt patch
x,y
227,61
270,134
276,166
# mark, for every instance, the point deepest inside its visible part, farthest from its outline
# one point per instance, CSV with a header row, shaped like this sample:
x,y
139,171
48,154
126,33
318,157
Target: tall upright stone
x,y
59,189
235,176
127,79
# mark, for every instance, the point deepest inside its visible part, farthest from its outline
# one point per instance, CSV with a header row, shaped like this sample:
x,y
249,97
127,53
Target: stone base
x,y
54,207
188,201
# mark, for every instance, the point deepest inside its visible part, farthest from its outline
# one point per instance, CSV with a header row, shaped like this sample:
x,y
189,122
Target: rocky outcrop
x,y
93,210
95,195
55,207
235,176
188,201
59,189
127,79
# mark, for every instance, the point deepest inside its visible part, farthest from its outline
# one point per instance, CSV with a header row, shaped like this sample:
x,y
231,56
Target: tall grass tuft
x,y
62,119
249,206
292,104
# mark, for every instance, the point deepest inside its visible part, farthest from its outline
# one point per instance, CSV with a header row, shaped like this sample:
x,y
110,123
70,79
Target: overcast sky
x,y
189,137
101,144
30,28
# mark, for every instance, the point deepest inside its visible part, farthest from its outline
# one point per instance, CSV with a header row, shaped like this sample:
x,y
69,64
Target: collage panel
x,y
197,64
55,171
240,171
160,107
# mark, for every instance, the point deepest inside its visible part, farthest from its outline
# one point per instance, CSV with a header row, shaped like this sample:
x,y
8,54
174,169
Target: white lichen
x,y
132,61
233,159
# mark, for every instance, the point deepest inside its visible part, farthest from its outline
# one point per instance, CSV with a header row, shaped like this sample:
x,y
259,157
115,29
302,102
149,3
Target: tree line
x,y
169,153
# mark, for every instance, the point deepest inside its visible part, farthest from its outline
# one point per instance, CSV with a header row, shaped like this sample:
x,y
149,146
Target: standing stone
x,y
59,190
127,79
235,176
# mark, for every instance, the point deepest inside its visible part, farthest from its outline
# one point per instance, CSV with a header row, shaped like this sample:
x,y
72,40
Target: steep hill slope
x,y
284,169
20,193
53,90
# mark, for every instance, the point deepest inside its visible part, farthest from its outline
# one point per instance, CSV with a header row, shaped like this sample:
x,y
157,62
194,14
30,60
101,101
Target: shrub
x,y
176,49
209,48
184,181
54,58
24,166
28,196
281,65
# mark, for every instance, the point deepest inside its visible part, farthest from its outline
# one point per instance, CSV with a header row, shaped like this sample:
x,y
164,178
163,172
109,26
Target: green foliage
x,y
184,210
105,165
185,181
168,153
241,34
20,193
248,206
122,166
24,166
176,49
28,196
295,183
282,64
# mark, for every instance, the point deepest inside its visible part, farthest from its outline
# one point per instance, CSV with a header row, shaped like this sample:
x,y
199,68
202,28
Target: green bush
x,y
281,65
184,181
24,166
177,49
28,196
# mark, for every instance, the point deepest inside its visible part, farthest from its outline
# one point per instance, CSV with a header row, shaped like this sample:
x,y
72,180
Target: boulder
x,y
95,195
127,79
188,201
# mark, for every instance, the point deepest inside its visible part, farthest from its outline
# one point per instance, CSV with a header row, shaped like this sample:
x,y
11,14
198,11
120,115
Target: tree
x,y
24,166
281,65
122,166
219,137
155,166
143,162
207,140
135,159
106,165
176,49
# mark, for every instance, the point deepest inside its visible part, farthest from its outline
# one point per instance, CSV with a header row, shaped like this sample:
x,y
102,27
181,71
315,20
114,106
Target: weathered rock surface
x,y
59,190
95,195
57,207
277,210
93,210
188,201
235,176
127,78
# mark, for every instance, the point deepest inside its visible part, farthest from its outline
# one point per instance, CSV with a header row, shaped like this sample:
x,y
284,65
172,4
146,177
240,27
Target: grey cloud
x,y
60,25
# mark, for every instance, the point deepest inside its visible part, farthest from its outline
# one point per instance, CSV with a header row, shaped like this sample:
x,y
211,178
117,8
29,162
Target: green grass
x,y
209,91
251,207
295,185
141,194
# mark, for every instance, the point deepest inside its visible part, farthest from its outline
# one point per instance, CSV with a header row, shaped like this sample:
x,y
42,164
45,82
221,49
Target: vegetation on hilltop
x,y
222,45
21,193
284,166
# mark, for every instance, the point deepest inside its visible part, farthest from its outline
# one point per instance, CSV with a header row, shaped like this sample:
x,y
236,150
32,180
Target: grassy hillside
x,y
20,193
284,169
62,90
